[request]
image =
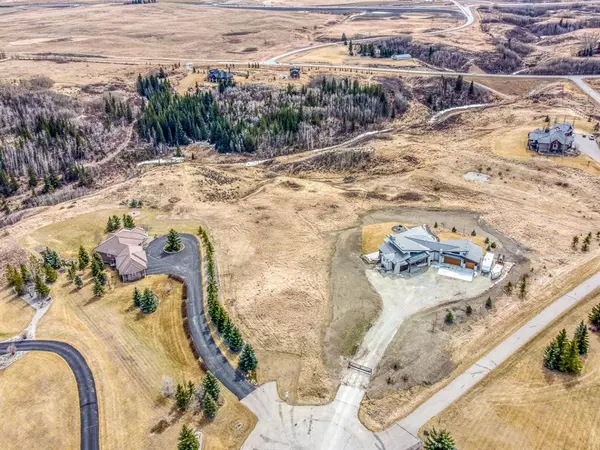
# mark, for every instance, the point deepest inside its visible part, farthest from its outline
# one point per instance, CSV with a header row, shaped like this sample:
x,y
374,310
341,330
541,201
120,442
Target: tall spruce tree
x,y
98,288
84,258
209,406
40,287
187,439
149,303
573,359
211,386
137,297
78,282
581,338
128,222
594,316
248,360
439,440
234,340
173,241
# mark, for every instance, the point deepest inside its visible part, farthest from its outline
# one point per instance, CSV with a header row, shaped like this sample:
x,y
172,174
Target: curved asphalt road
x,y
88,402
187,265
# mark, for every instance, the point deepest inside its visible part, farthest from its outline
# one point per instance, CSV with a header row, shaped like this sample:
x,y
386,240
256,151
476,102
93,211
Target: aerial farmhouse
x,y
556,139
413,248
218,76
124,250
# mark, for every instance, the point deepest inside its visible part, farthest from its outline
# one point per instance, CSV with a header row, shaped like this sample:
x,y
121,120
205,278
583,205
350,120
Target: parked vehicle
x,y
592,137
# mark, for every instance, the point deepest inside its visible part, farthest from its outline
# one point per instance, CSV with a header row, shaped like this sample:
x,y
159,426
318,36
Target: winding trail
x,y
86,388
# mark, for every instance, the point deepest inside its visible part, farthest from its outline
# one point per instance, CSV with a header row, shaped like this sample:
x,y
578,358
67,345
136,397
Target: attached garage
x,y
453,261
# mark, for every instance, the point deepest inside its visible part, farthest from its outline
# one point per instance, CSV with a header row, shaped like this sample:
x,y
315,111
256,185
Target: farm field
x,y
523,405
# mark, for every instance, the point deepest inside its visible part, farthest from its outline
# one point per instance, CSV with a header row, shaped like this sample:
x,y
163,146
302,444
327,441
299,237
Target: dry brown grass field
x,y
269,285
287,246
42,394
523,405
128,353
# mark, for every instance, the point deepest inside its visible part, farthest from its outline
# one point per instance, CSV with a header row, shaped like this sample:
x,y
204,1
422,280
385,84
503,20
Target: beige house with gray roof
x,y
124,250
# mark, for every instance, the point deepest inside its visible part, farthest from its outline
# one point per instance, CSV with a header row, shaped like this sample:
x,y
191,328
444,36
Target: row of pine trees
x,y
219,316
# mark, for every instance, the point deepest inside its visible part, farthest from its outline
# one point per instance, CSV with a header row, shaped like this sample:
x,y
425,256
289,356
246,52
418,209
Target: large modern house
x,y
418,247
556,139
124,250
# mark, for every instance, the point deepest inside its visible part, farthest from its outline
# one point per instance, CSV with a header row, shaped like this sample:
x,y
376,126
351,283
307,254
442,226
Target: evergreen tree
x,y
183,396
84,258
488,303
187,439
98,288
173,241
51,258
594,316
581,338
72,272
563,347
459,84
137,297
78,282
439,440
128,221
469,310
32,179
51,274
101,277
552,356
113,224
573,359
40,287
449,319
248,360
211,386
209,406
149,302
97,264
25,274
471,89
234,340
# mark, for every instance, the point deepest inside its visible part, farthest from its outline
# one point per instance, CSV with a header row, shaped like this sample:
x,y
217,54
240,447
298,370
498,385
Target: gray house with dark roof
x,y
557,139
419,247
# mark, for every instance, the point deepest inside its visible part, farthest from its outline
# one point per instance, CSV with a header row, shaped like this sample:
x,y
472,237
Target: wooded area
x,y
46,137
260,118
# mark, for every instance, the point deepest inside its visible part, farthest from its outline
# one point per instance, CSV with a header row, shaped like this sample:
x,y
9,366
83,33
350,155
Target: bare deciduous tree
x,y
168,386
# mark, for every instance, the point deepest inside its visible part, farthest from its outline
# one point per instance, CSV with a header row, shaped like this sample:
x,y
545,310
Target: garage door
x,y
449,260
469,265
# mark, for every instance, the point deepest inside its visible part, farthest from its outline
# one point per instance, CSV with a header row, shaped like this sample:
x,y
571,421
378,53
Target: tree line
x,y
219,316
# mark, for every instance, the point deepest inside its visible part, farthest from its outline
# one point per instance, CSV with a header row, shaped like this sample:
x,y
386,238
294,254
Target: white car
x,y
592,137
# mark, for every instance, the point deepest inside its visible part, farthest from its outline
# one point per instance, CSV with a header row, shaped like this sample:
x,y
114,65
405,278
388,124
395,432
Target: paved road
x,y
187,265
88,403
447,395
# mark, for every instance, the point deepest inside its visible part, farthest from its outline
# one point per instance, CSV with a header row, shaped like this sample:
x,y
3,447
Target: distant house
x,y
188,65
218,76
124,250
419,247
294,73
557,139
